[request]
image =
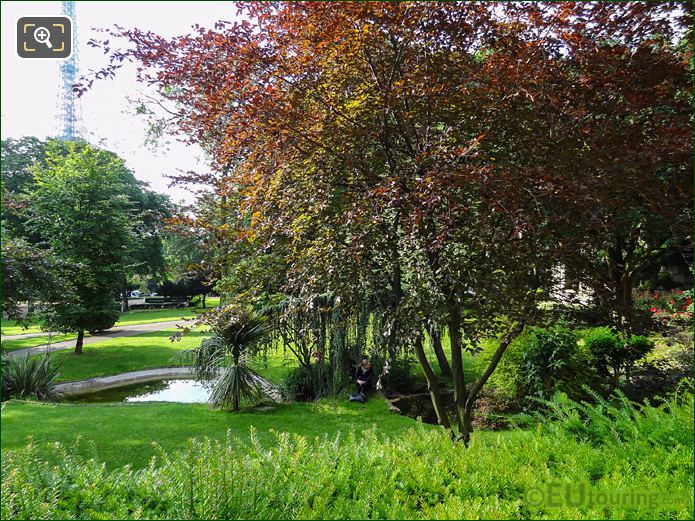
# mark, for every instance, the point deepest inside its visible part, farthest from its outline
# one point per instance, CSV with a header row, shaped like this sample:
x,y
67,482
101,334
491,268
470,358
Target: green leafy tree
x,y
80,208
33,275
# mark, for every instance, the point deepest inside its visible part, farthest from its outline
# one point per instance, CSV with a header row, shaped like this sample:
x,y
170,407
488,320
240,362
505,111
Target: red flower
x,y
653,310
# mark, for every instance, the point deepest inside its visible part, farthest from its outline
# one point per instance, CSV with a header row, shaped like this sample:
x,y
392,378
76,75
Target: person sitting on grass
x,y
363,379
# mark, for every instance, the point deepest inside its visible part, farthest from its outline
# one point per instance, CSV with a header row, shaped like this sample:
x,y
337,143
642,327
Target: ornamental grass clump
x,y
30,378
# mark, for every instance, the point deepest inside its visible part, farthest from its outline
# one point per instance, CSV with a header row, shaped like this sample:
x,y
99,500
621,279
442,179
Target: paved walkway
x,y
146,375
116,332
28,335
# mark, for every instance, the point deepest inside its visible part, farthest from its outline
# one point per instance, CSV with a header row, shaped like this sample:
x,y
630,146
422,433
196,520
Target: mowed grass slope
x,y
120,355
23,343
124,433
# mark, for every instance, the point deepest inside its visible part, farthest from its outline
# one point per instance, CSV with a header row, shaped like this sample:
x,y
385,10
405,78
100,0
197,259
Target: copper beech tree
x,y
428,163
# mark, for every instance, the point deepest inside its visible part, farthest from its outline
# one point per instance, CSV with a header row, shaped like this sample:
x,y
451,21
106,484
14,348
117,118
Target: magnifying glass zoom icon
x,y
43,35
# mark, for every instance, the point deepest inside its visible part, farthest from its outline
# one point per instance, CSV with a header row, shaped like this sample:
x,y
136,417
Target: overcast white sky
x,y
30,88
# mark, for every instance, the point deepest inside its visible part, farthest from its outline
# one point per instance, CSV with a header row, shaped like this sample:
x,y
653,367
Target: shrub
x,y
421,474
618,422
507,380
637,347
103,319
601,342
674,308
541,362
614,356
304,384
29,377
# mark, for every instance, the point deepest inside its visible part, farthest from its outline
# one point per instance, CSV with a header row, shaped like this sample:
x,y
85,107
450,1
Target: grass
x,y
148,316
124,432
10,327
145,316
154,349
640,460
274,365
23,343
148,351
120,355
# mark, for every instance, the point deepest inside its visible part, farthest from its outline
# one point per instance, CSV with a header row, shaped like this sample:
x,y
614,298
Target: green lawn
x,y
120,355
22,343
145,316
10,327
274,365
147,351
124,432
150,350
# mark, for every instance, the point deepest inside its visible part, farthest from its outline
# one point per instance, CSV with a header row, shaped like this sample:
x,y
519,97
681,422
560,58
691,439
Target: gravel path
x,y
117,332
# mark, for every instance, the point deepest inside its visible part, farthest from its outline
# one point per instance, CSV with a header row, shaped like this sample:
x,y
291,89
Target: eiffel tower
x,y
69,120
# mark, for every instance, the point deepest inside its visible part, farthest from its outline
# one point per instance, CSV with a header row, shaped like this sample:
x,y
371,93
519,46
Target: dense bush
x,y
541,362
104,319
601,342
552,361
615,355
305,384
421,474
29,377
620,423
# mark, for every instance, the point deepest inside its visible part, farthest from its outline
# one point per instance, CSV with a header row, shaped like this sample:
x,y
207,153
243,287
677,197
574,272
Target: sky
x,y
30,88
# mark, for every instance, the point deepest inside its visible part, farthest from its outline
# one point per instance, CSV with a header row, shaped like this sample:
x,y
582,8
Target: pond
x,y
176,390
419,405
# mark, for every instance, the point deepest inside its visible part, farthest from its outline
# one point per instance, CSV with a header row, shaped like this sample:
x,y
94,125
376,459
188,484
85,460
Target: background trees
x,y
77,228
31,274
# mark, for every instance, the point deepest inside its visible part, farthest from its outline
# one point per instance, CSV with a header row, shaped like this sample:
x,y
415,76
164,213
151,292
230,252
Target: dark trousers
x,y
362,388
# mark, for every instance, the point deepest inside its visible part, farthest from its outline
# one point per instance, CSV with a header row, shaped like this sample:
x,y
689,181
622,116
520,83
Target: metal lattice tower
x,y
69,121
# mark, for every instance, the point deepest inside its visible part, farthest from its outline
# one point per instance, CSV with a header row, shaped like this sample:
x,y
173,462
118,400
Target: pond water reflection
x,y
177,390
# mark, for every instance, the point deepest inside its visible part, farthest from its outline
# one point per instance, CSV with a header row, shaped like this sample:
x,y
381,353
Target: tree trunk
x,y
615,380
467,423
625,302
432,384
458,374
80,341
204,295
125,307
436,342
467,419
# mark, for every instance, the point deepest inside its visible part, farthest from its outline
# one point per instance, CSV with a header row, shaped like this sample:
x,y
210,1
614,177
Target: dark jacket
x,y
367,377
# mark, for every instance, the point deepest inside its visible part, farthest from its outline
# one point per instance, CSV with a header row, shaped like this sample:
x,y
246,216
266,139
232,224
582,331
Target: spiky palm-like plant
x,y
235,332
30,377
